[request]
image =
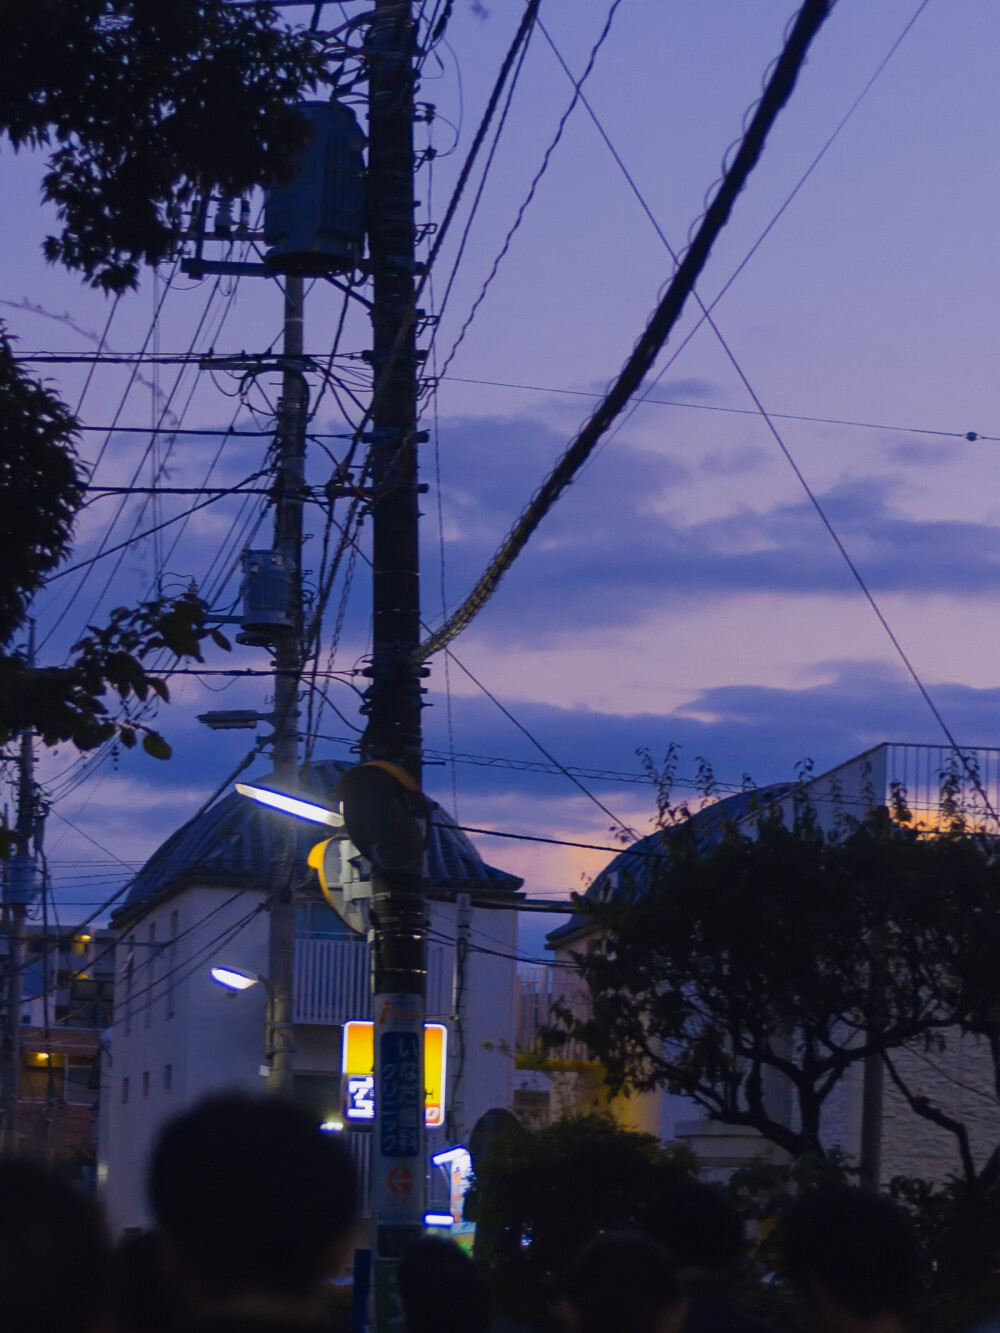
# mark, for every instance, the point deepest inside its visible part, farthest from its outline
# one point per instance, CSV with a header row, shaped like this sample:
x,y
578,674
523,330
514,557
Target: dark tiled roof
x,y
635,866
234,841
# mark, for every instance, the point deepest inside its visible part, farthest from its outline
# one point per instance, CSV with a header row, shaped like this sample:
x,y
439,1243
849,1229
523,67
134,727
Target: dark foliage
x,y
41,486
146,105
541,1197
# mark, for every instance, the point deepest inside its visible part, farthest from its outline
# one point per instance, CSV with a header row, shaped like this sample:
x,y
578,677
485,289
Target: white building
x,y
200,902
959,1078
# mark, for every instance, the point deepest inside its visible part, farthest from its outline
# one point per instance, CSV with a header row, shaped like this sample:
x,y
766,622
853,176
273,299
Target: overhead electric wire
x,y
645,396
779,87
767,417
148,532
97,462
477,198
88,565
971,436
533,187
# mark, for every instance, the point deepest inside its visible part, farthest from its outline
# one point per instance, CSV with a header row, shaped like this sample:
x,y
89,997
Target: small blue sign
x,y
401,1094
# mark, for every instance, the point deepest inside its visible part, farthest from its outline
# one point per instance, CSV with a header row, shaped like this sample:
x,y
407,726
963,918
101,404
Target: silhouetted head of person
x,y
441,1289
55,1265
853,1258
622,1280
698,1225
144,1299
255,1205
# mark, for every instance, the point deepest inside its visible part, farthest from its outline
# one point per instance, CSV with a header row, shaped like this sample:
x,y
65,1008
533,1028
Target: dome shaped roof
x,y
635,865
233,843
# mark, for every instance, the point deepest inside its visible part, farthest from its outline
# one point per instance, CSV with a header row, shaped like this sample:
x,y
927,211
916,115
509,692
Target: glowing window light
x,y
291,805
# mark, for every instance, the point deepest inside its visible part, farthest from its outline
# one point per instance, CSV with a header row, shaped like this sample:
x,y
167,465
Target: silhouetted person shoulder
x,y
852,1257
55,1262
255,1207
622,1282
704,1233
441,1289
143,1298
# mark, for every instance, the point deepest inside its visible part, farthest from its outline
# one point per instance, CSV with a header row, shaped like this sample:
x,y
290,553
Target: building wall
x,y
176,1035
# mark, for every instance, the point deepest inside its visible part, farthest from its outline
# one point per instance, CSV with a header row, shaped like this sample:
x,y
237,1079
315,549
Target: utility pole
x,y
460,1017
18,889
288,499
393,698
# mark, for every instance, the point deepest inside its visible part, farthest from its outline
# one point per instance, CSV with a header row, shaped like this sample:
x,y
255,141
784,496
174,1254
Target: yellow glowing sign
x,y
358,1061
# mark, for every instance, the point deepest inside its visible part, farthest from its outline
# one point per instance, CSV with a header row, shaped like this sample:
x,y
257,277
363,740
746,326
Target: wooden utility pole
x,y
18,891
393,698
288,499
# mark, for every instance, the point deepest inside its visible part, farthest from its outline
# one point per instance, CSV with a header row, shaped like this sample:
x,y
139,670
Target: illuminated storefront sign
x,y
357,1065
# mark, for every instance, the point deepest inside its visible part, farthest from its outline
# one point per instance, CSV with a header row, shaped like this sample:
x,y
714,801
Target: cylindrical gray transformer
x,y
314,223
266,576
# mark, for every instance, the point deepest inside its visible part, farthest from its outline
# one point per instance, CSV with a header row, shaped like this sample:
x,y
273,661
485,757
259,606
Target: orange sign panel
x,y
358,1059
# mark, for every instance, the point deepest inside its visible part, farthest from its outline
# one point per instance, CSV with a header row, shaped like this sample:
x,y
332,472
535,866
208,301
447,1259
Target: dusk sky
x,y
684,589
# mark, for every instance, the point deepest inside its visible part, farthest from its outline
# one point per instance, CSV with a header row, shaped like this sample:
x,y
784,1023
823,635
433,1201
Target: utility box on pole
x,y
314,222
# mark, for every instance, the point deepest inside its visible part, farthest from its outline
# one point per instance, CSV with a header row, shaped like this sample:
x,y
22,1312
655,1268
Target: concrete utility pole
x,y
18,889
288,499
393,699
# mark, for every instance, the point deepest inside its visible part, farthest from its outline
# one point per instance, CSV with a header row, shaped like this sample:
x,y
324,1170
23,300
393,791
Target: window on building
x,y
168,1077
129,982
124,1089
150,970
145,1082
172,960
82,1081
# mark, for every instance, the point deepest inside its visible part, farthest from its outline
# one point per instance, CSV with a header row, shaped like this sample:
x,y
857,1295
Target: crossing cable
x,y
644,397
779,87
972,436
238,489
151,445
566,772
707,317
133,377
533,188
474,209
121,508
410,314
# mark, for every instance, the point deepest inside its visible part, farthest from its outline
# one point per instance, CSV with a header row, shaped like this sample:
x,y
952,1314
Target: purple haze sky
x,y
684,589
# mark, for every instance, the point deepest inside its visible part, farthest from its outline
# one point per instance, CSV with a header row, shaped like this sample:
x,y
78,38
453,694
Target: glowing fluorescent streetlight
x,y
292,805
438,1220
332,1126
232,979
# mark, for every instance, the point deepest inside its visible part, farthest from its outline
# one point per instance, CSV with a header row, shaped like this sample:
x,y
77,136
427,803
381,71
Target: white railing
x,y
332,980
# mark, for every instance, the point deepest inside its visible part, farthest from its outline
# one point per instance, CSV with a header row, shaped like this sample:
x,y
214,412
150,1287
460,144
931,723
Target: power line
x,y
213,498
971,436
555,842
533,187
769,422
809,20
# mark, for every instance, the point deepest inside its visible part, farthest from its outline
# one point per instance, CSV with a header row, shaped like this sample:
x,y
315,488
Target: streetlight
x,y
234,980
291,805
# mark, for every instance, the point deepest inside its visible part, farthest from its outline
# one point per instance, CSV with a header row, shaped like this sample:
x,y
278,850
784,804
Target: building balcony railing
x,y
332,980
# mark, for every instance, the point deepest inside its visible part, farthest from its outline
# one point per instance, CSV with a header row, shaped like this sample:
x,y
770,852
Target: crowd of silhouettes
x,y
255,1213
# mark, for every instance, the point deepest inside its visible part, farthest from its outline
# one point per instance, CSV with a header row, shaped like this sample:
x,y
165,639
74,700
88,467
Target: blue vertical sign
x,y
402,1094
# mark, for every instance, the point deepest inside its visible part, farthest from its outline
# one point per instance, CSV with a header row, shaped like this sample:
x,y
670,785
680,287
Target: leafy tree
x,y
544,1195
146,105
780,958
41,488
